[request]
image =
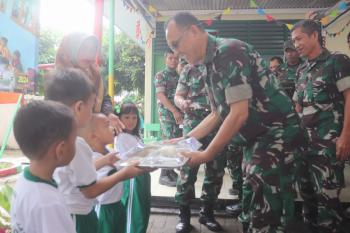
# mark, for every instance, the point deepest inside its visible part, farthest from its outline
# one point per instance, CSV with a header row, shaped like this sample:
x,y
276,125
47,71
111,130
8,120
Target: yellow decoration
x,y
253,4
152,9
324,20
289,26
227,11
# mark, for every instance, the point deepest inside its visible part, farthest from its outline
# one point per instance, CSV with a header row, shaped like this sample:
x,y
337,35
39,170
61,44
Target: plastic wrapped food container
x,y
160,154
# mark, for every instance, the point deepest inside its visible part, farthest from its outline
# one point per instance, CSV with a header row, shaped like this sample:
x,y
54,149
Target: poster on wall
x,y
3,4
26,14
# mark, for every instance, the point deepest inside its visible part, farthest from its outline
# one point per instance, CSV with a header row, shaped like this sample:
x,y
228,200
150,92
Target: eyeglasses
x,y
175,44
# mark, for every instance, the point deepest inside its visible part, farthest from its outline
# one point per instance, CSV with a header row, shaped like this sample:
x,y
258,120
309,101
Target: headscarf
x,y
66,57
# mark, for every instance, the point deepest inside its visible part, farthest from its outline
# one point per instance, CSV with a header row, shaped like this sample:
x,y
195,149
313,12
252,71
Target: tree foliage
x,y
48,43
129,68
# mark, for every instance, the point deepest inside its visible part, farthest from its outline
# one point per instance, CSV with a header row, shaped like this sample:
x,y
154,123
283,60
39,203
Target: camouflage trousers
x,y
214,172
321,180
269,169
169,129
234,156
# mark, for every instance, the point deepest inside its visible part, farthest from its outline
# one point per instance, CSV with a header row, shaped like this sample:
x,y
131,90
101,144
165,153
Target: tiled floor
x,y
165,223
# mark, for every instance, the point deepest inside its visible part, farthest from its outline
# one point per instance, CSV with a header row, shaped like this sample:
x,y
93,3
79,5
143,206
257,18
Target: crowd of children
x,y
86,174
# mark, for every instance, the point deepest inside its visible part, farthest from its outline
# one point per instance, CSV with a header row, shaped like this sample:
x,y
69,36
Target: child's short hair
x,y
68,86
39,124
129,107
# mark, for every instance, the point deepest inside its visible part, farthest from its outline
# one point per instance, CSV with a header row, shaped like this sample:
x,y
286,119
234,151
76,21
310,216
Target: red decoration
x,y
208,22
269,18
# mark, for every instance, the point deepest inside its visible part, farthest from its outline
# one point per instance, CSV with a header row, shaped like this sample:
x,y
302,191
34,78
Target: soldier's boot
x,y
309,213
347,213
206,217
234,209
245,226
166,179
184,225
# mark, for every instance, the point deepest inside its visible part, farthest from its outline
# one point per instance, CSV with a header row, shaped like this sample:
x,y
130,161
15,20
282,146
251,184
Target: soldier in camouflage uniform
x,y
170,116
252,111
323,100
286,73
191,98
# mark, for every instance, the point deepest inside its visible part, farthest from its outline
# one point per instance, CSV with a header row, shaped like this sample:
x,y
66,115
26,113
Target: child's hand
x,y
134,170
111,158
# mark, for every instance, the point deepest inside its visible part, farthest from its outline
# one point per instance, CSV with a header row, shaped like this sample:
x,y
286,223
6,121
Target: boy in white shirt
x,y
98,134
78,180
46,132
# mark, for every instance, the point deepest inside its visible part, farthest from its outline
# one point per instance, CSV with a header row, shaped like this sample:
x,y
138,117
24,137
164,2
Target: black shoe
x,y
233,192
167,181
206,217
184,225
173,175
234,210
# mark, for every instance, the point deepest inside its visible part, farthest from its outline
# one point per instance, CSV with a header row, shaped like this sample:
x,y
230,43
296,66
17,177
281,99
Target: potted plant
x,y
5,199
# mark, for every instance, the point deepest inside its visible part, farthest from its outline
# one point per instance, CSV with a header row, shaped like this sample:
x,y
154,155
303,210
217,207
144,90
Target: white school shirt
x,y
80,172
124,142
114,194
38,207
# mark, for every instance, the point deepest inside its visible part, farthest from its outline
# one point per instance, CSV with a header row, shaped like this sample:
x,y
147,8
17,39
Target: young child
x,y
46,132
77,180
137,191
98,134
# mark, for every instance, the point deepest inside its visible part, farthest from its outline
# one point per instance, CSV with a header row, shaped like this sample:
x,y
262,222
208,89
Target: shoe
x,y
347,213
184,225
165,179
173,175
234,209
206,217
233,192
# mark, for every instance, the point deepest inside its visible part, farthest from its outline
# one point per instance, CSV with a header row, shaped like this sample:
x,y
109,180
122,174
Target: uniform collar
x,y
170,70
322,57
211,48
29,176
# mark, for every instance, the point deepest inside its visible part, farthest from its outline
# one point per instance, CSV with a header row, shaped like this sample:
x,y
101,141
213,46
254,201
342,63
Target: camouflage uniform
x,y
286,75
234,156
166,82
192,82
269,136
319,91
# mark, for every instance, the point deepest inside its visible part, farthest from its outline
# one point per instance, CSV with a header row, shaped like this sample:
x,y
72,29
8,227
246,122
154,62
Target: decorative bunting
x,y
252,4
342,6
208,22
325,20
152,9
338,32
289,26
269,18
260,11
334,13
227,11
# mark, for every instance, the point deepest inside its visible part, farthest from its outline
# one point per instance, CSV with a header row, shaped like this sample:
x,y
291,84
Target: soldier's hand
x,y
343,147
178,117
185,105
195,157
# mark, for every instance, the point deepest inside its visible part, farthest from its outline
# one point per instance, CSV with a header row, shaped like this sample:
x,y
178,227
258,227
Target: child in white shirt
x,y
46,132
78,180
98,134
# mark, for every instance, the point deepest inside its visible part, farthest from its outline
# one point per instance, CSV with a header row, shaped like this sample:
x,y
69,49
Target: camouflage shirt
x,y
319,90
237,72
166,81
287,77
191,85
